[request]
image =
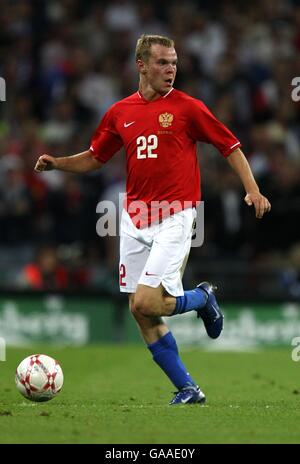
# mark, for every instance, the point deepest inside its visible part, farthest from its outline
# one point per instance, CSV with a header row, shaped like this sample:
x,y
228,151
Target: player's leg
x,y
135,249
164,350
151,302
151,328
165,264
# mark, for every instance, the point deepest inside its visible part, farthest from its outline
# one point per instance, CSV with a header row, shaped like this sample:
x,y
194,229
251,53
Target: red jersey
x,y
160,140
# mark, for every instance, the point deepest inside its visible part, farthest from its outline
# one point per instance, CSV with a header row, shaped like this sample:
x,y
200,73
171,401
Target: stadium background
x,y
65,62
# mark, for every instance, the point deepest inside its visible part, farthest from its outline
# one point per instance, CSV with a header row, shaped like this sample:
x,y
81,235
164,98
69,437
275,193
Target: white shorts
x,y
157,254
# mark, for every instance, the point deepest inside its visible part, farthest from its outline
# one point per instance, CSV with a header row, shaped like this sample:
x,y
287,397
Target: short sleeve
x,y
106,141
205,127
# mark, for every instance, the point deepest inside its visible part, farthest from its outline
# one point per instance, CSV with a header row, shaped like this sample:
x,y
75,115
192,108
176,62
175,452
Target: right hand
x,y
45,163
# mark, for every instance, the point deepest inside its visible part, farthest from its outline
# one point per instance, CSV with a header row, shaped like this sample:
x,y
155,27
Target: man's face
x,y
160,70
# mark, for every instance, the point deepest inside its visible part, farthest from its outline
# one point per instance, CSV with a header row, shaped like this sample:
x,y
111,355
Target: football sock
x,y
165,354
191,300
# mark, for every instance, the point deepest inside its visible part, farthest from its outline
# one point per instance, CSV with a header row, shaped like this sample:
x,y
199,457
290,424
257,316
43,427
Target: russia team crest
x,y
165,119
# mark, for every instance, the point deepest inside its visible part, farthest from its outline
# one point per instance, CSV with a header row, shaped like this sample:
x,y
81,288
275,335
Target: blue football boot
x,y
211,314
188,395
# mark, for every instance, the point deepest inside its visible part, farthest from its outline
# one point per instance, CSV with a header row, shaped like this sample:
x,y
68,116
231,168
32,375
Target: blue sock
x,y
192,299
165,354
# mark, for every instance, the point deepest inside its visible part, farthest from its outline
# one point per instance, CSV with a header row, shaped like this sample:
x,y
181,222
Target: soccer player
x,y
159,126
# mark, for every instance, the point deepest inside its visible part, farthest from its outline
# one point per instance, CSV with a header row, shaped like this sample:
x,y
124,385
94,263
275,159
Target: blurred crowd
x,y
66,61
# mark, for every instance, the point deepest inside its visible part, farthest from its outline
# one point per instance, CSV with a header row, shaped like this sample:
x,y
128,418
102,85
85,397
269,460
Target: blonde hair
x,y
143,46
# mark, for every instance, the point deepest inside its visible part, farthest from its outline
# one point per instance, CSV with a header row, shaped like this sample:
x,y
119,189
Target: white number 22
x,y
148,144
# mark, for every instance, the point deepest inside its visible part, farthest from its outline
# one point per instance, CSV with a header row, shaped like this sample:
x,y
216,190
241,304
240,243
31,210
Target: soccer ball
x,y
39,377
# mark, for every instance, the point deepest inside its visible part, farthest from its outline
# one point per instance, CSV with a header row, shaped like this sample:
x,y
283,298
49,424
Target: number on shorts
x,y
122,275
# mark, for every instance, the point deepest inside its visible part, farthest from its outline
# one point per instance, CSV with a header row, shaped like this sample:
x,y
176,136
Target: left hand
x,y
261,203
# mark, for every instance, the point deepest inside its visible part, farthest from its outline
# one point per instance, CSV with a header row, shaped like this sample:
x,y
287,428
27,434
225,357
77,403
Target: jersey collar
x,y
150,101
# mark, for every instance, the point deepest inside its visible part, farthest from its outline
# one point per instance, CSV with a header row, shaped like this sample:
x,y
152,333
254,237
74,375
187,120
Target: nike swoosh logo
x,y
217,314
127,124
186,400
147,274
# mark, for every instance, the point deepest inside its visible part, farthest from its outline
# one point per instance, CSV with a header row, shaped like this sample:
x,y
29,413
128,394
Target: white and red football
x,y
39,377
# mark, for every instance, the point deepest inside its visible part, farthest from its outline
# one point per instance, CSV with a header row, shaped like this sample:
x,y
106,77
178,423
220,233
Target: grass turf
x,y
117,395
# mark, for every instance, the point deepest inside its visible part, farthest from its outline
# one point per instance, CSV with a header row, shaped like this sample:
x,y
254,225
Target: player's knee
x,y
143,306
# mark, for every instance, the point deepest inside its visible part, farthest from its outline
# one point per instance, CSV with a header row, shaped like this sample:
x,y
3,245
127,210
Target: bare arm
x,y
240,165
80,163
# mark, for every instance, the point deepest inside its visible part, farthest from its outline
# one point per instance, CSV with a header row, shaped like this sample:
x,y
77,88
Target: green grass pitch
x,y
116,395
